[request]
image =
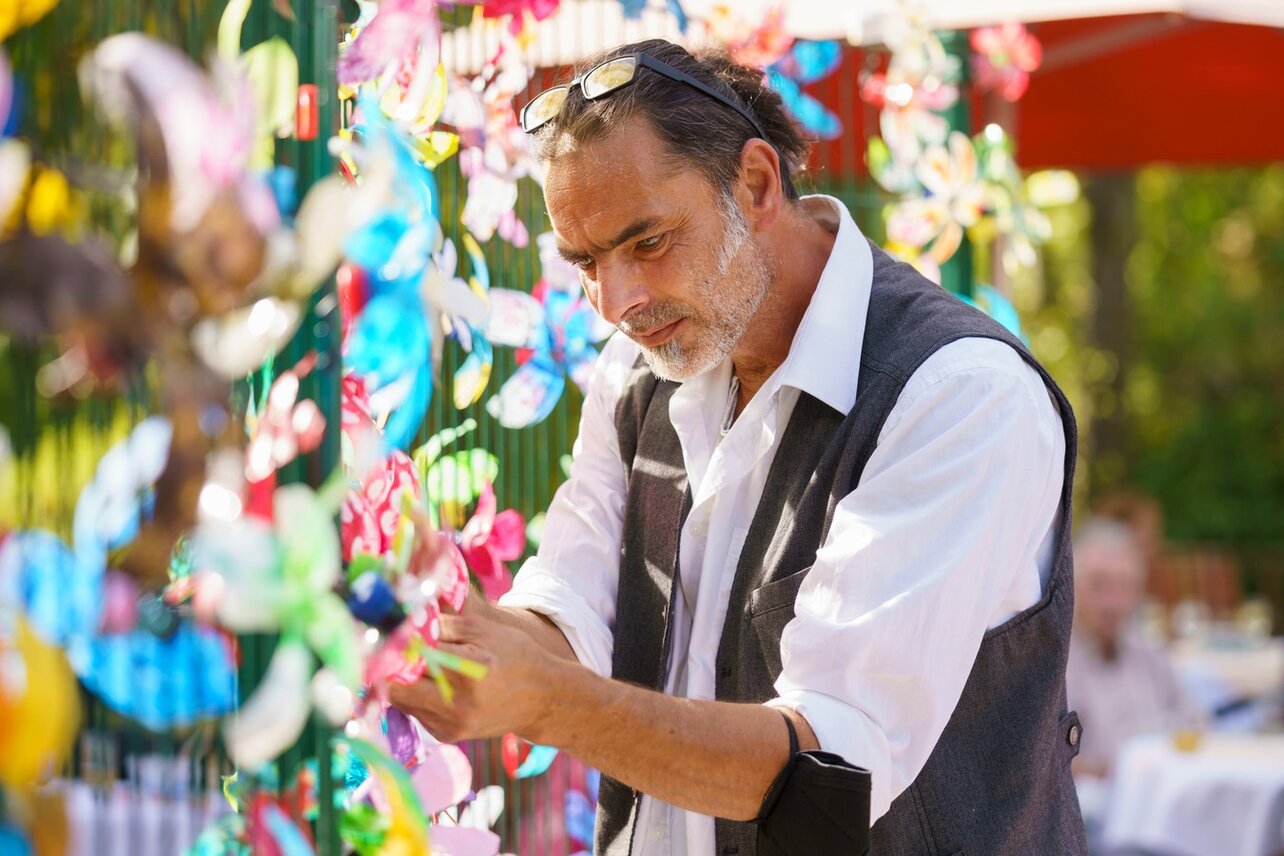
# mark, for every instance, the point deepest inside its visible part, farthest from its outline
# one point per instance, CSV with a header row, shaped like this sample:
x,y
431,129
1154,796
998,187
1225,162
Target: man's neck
x,y
801,249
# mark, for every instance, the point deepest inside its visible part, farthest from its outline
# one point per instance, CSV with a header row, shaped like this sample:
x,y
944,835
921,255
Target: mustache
x,y
652,317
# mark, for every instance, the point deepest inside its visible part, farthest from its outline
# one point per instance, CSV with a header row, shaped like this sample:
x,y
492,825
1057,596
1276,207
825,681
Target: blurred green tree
x,y
1160,307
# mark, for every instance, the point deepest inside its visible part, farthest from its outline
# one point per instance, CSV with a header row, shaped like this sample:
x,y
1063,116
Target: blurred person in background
x,y
1143,515
1122,684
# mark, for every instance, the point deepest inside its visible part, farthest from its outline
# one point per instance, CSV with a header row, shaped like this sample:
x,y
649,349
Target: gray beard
x,y
731,293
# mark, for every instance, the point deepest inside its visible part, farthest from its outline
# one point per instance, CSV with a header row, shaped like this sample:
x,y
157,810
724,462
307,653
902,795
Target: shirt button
x,y
697,528
657,833
1072,736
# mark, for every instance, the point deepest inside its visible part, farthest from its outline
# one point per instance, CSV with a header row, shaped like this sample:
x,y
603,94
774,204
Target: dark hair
x,y
694,127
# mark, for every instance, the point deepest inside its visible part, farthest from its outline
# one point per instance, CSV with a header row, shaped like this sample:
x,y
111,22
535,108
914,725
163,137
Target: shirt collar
x,y
832,331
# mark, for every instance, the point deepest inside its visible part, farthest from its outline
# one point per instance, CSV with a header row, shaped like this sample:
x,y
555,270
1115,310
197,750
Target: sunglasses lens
x,y
543,107
609,76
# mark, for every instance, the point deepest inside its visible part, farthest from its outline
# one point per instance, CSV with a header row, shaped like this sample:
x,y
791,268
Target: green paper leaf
x,y
427,454
273,72
363,827
877,156
458,479
309,543
229,29
331,633
435,657
363,563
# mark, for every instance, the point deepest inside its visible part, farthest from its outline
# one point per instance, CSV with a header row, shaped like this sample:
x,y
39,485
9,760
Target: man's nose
x,y
621,291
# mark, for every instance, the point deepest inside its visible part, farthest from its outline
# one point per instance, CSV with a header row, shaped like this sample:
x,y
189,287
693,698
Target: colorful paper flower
x,y
523,759
633,10
807,62
495,152
489,540
460,308
555,330
39,705
398,29
956,200
517,10
1004,57
749,41
281,578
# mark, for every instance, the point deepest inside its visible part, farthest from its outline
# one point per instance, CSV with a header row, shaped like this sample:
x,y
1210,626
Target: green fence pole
x,y
957,274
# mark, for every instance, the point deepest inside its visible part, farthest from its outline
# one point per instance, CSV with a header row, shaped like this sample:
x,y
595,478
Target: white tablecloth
x,y
1244,672
1224,799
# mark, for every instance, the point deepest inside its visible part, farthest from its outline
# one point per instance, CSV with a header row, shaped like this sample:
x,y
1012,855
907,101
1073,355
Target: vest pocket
x,y
770,608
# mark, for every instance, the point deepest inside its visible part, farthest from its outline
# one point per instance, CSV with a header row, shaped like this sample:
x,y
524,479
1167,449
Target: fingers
x,y
455,628
475,604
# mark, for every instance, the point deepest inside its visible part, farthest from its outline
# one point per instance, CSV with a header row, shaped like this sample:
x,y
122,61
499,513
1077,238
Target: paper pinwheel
x,y
495,151
556,331
633,9
170,672
280,577
807,62
956,200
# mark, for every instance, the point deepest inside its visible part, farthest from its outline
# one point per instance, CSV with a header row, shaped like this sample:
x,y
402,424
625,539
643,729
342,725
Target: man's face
x,y
1108,585
662,255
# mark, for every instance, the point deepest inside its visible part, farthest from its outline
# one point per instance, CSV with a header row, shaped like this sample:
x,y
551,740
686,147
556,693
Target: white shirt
x,y
950,531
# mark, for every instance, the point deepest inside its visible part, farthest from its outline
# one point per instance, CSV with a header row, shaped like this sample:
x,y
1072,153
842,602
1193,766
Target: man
x,y
1122,684
808,483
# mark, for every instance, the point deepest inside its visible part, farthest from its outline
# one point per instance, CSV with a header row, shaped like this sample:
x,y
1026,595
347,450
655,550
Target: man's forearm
x,y
715,758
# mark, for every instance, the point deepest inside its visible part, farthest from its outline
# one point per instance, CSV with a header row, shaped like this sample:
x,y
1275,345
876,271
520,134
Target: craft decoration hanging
x,y
1003,58
946,183
807,62
494,150
555,332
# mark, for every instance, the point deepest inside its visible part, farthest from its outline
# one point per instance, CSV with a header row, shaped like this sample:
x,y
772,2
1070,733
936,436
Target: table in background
x,y
1226,798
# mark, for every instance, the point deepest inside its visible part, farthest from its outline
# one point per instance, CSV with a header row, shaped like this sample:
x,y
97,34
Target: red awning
x,y
1115,93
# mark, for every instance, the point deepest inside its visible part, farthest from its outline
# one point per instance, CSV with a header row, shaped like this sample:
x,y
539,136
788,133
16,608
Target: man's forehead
x,y
603,189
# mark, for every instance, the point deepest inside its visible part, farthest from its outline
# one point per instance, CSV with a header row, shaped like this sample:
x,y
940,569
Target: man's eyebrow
x,y
570,256
637,227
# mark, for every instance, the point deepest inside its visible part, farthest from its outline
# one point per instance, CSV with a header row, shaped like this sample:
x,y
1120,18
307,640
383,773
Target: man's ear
x,y
759,190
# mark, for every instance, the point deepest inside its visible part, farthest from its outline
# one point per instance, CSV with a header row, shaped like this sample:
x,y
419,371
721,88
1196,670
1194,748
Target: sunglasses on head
x,y
615,74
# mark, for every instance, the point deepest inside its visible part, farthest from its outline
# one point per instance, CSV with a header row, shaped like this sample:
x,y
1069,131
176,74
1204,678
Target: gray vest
x,y
998,781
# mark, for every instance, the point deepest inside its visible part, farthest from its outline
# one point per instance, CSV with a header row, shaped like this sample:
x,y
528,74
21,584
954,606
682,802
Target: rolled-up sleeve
x,y
946,535
574,576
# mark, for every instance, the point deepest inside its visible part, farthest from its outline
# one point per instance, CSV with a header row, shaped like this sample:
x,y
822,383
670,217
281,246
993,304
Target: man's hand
x,y
509,698
659,744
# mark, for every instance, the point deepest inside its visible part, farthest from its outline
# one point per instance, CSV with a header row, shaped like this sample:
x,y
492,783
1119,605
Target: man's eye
x,y
585,263
651,243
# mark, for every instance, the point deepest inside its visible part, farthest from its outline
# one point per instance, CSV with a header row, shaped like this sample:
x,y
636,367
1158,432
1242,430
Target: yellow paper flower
x,y
39,707
16,14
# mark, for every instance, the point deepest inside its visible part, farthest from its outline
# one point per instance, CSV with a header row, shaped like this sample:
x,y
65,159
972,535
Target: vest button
x,y
1072,736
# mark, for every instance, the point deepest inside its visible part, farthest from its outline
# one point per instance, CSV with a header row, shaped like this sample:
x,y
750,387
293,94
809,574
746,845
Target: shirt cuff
x,y
845,731
590,639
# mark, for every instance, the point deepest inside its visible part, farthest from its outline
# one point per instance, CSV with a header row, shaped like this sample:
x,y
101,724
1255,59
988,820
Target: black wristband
x,y
773,793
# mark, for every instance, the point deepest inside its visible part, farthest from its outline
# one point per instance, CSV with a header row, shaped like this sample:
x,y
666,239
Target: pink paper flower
x,y
489,540
395,660
1005,56
398,30
539,10
369,517
749,41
